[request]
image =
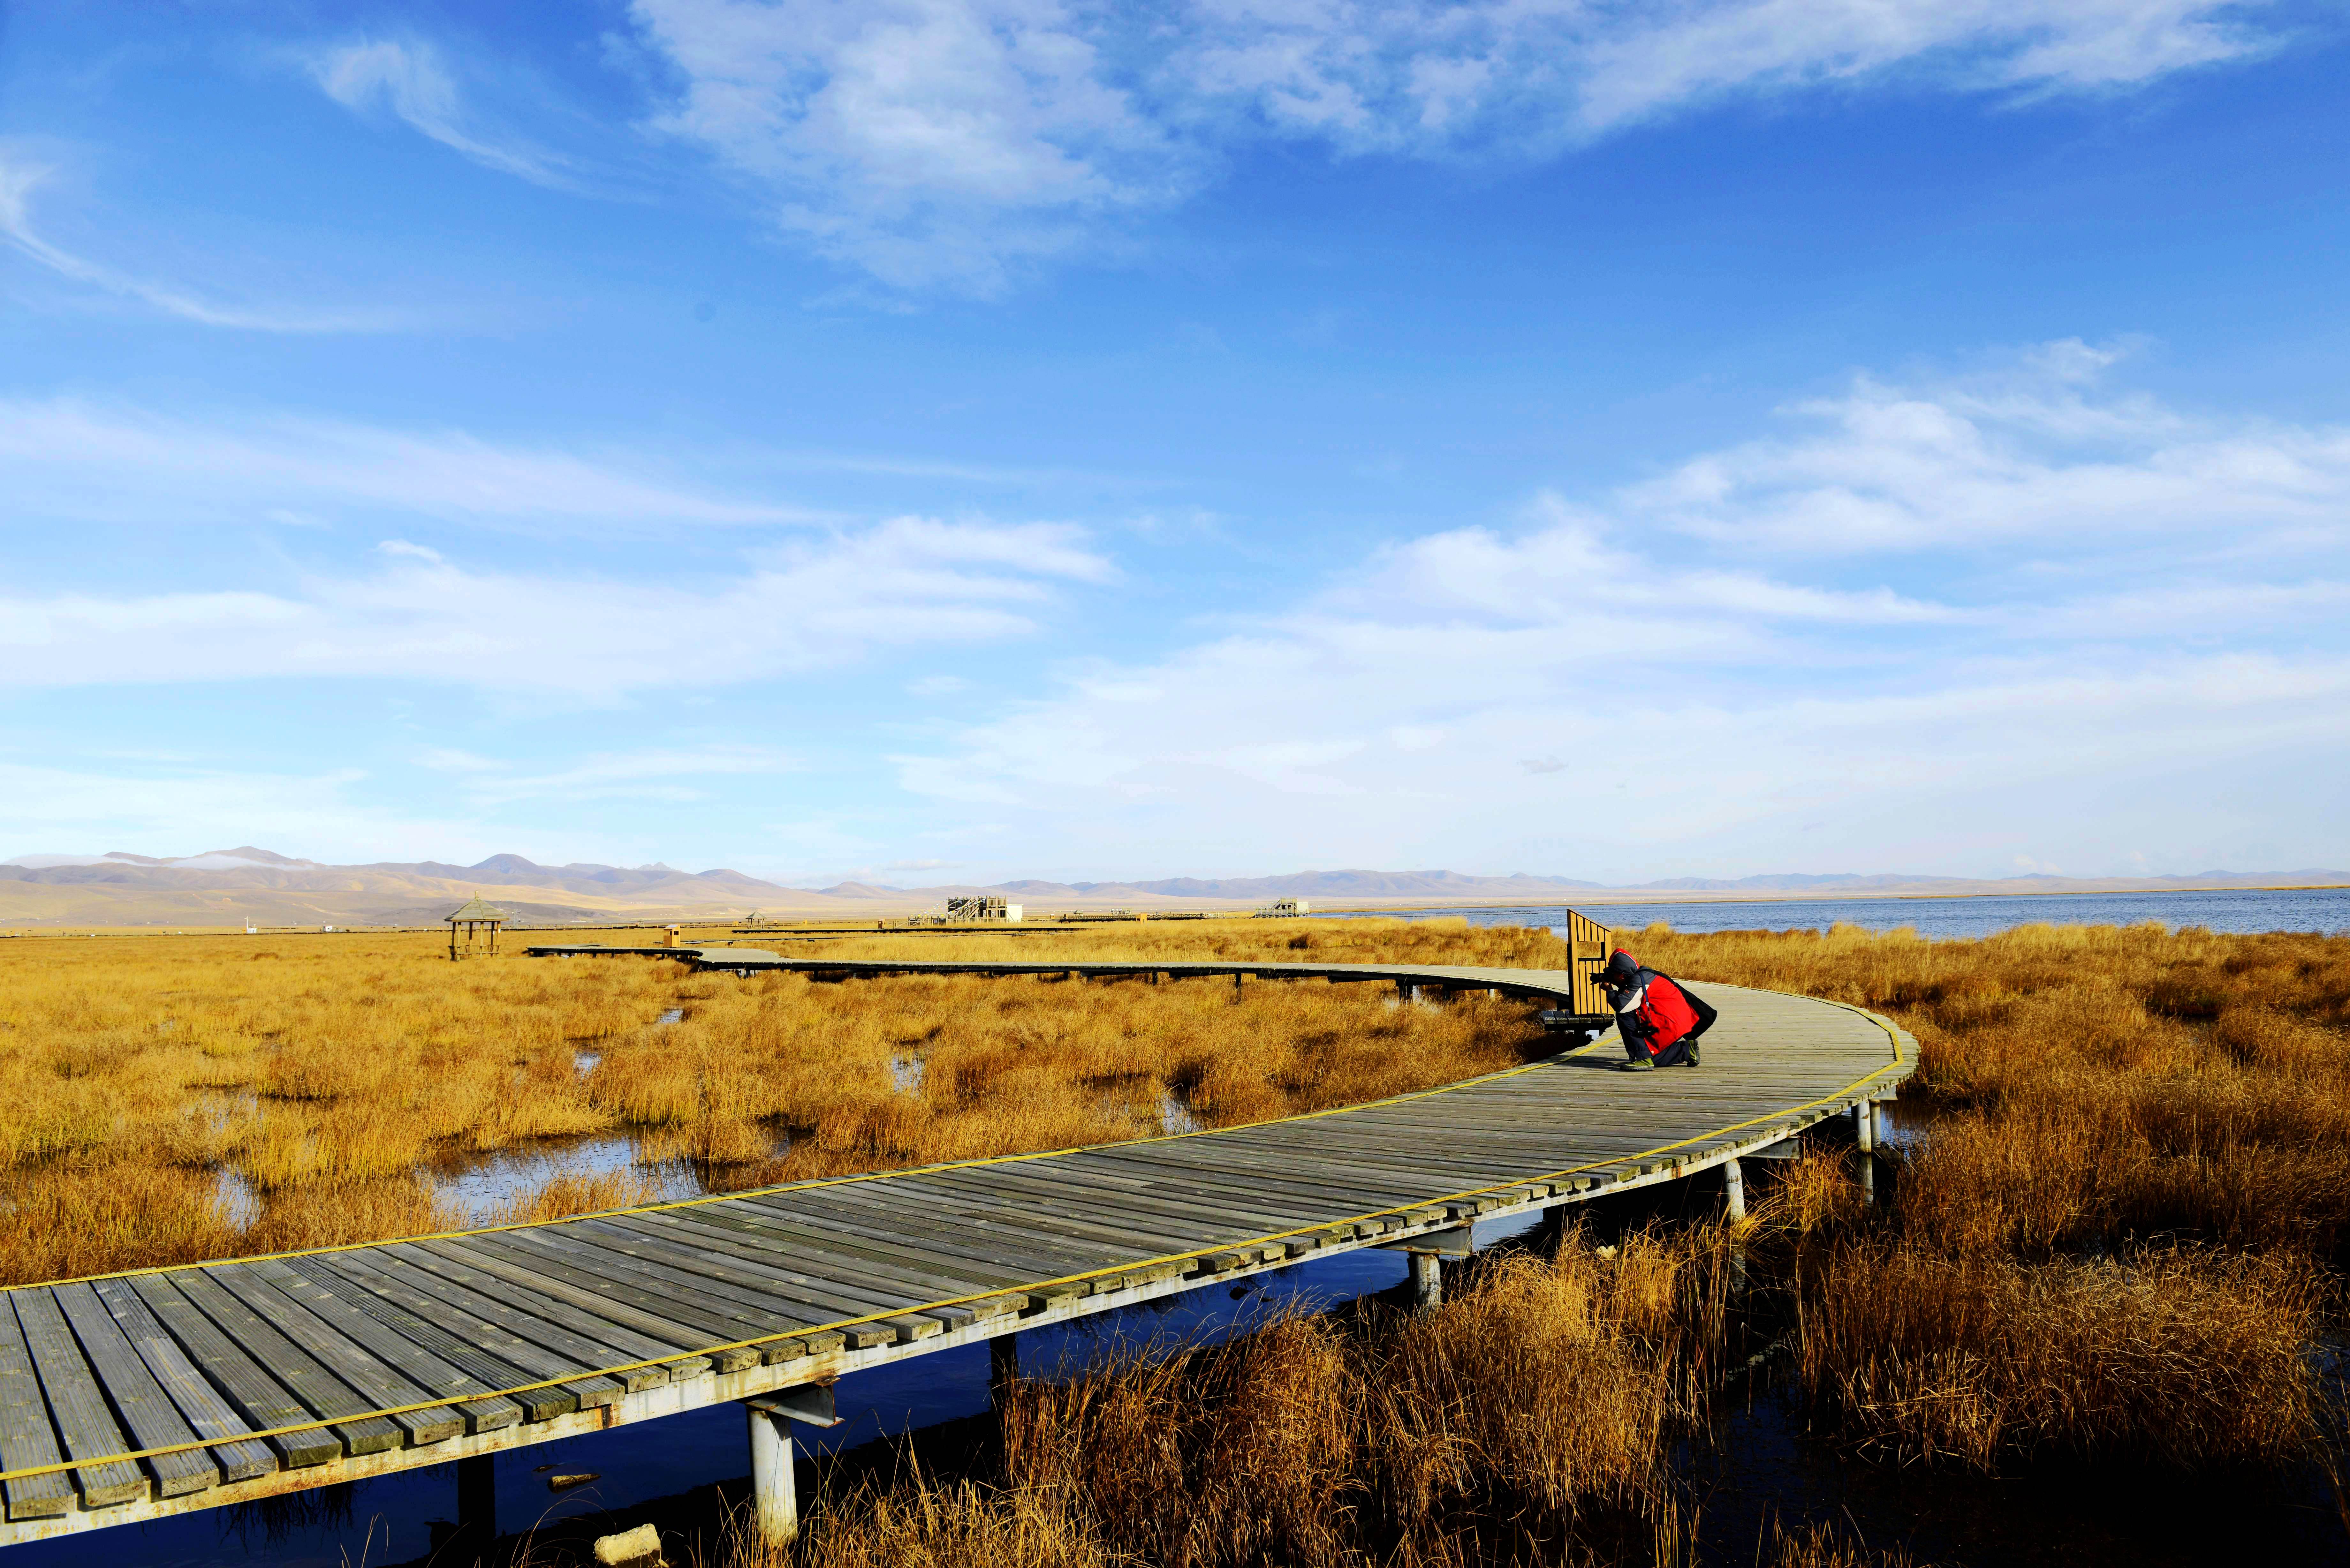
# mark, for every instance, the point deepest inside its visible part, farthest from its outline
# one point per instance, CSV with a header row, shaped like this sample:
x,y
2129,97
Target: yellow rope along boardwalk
x,y
136,1394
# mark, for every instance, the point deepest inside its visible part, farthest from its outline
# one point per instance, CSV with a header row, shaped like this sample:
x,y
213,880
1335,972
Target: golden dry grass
x,y
2114,1240
334,1074
2109,1245
2098,1081
1539,1398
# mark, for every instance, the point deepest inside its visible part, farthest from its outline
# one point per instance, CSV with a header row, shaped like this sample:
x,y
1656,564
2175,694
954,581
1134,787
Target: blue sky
x,y
959,439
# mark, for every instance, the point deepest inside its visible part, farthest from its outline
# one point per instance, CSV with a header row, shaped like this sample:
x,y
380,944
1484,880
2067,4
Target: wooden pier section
x,y
135,1395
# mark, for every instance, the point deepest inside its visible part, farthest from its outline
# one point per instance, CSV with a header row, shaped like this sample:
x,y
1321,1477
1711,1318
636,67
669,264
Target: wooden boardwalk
x,y
138,1395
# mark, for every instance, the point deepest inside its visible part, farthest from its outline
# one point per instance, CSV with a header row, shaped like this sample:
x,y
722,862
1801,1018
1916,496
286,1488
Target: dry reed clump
x,y
1826,1545
2125,1080
1541,1396
334,1075
2106,1095
2179,1358
920,1523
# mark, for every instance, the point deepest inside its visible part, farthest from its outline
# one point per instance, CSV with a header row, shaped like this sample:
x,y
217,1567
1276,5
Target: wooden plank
x,y
734,1256
1126,1237
1117,1242
634,1336
27,1440
688,1324
971,1262
77,1404
1077,1250
486,1411
484,1348
882,1258
724,1321
384,1387
324,1394
257,1397
140,1405
240,1457
752,1314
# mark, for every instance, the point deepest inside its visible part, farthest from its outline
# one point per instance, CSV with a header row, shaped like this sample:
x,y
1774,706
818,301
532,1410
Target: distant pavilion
x,y
480,921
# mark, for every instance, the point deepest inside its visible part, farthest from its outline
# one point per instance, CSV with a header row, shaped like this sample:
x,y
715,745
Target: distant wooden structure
x,y
481,922
1588,944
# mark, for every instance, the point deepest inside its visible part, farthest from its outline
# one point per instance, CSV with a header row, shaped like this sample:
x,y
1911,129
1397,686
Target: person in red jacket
x,y
1658,1020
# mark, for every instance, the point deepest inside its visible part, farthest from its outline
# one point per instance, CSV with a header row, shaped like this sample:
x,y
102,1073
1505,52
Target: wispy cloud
x,y
2035,453
71,457
670,775
908,583
412,82
948,143
20,177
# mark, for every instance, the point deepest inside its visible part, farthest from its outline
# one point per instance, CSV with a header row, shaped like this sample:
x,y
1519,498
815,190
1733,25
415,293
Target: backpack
x,y
1698,1004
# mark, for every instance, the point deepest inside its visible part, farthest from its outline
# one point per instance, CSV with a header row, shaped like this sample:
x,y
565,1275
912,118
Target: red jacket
x,y
1655,1013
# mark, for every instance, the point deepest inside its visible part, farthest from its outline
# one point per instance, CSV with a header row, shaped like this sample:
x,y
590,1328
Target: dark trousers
x,y
1671,1056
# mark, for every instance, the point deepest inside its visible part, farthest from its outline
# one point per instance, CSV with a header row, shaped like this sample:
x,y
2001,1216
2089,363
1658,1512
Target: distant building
x,y
1281,909
976,907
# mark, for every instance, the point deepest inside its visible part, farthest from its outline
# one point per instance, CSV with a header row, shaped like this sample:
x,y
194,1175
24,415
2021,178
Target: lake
x,y
2287,910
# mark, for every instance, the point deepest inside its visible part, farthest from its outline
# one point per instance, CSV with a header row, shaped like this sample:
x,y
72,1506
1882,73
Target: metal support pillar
x,y
1003,1366
770,1416
772,1491
477,1501
1426,1282
1863,1129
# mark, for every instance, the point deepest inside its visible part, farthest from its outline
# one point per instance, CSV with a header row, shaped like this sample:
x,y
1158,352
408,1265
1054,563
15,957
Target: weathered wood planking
x,y
268,1374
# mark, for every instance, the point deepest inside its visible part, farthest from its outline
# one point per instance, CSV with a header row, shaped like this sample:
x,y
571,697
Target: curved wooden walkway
x,y
134,1395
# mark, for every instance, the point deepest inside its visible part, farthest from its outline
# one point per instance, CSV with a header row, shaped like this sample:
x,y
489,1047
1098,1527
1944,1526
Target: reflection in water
x,y
236,1198
478,1189
674,1015
906,1073
1174,1116
583,1061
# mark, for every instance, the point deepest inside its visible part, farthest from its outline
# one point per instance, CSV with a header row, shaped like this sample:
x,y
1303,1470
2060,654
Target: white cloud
x,y
168,809
20,177
947,142
412,82
909,582
1482,686
2032,456
667,775
67,458
926,142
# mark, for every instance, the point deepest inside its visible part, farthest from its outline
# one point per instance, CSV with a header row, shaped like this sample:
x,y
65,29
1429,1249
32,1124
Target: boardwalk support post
x,y
1864,1128
1426,1282
1003,1366
1733,1192
772,1491
477,1501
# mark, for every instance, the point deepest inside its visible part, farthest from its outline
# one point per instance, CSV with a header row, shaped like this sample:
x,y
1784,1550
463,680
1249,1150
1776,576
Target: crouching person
x,y
1658,1020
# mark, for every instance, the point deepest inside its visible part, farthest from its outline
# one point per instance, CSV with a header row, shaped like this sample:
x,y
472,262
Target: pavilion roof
x,y
475,910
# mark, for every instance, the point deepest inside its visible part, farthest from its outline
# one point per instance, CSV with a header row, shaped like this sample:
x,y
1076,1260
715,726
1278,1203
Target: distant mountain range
x,y
260,886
